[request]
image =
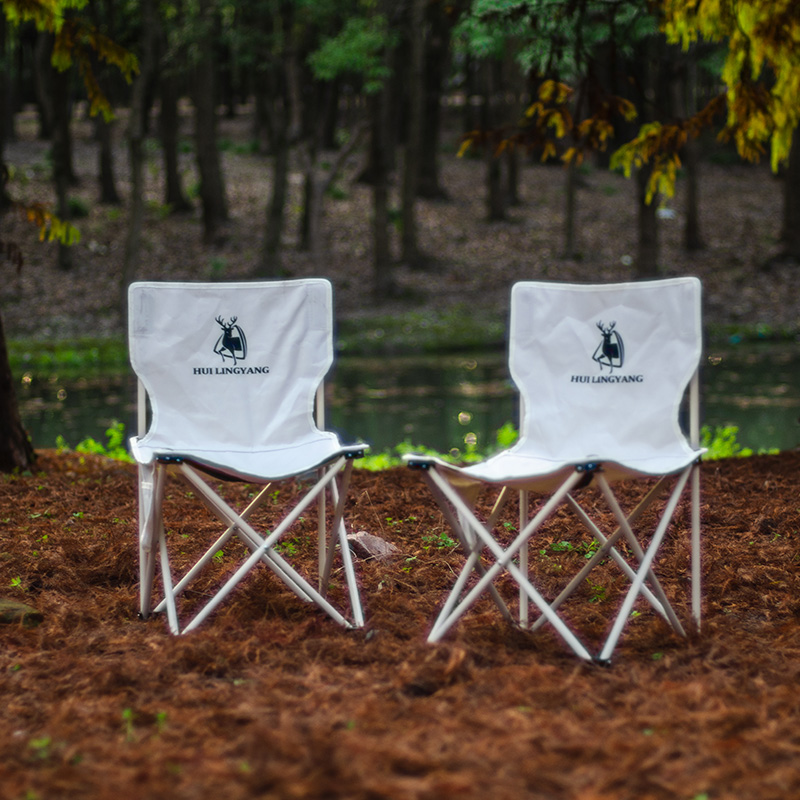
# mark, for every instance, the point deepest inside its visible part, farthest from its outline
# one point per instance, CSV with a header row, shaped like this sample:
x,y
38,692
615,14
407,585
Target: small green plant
x,y
288,548
441,541
598,592
409,564
127,722
41,747
161,721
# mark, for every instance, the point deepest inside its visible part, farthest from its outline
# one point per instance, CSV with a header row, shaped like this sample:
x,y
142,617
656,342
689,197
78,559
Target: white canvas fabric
x,y
602,371
231,371
232,374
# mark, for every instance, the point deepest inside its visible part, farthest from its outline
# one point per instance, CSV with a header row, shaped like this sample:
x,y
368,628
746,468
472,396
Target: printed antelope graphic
x,y
232,343
611,351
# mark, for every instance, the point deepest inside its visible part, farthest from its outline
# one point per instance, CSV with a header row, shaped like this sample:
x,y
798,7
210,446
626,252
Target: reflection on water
x,y
443,402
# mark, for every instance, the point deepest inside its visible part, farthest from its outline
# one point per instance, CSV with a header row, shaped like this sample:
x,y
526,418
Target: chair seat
x,y
256,465
521,469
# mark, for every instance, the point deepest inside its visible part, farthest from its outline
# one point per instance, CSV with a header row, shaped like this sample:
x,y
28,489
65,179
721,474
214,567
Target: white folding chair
x,y
602,371
232,373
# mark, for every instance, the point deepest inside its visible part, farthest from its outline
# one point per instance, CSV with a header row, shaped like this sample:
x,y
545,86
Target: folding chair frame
x,y
476,538
333,479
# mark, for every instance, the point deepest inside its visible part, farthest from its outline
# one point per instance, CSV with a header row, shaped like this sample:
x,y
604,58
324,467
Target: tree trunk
x,y
212,184
790,235
62,148
284,125
647,221
136,131
270,265
496,200
692,236
5,113
437,45
42,81
647,262
383,286
108,188
169,130
16,451
411,255
104,18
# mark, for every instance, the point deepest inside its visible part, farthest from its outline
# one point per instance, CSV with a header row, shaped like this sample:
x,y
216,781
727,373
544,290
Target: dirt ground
x,y
271,699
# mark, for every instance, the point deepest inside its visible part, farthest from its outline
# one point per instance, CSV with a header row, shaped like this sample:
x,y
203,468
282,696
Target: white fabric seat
x,y
233,374
602,372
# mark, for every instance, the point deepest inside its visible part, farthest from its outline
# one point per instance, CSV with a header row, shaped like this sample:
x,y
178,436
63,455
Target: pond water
x,y
442,402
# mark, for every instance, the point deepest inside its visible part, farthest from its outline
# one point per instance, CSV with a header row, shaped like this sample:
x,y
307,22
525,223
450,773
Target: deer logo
x,y
611,351
232,342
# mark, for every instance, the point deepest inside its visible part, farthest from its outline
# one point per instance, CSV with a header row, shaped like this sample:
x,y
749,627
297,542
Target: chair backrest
x,y
602,369
231,366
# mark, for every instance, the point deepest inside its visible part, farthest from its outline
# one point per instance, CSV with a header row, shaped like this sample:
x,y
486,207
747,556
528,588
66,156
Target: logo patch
x,y
611,350
231,347
232,343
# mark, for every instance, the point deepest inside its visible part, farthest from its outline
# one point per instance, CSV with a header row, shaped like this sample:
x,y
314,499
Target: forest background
x,y
339,95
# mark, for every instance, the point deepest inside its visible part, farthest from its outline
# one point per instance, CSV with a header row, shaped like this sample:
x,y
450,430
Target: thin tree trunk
x,y
5,114
108,187
104,18
647,221
16,450
61,157
411,255
169,130
271,262
212,184
42,74
382,283
136,131
692,236
790,235
437,45
495,190
647,262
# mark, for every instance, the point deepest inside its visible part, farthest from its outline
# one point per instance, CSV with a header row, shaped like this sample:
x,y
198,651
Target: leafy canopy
x,y
761,72
76,42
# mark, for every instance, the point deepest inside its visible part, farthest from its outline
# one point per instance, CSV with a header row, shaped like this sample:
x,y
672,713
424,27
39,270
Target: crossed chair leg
x,y
475,537
262,547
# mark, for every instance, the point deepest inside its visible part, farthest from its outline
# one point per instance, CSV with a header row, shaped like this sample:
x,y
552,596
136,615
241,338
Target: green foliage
x,y
761,73
67,357
506,435
114,448
358,49
721,443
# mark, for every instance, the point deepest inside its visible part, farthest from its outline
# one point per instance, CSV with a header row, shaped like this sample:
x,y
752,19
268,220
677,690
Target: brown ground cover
x,y
271,699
